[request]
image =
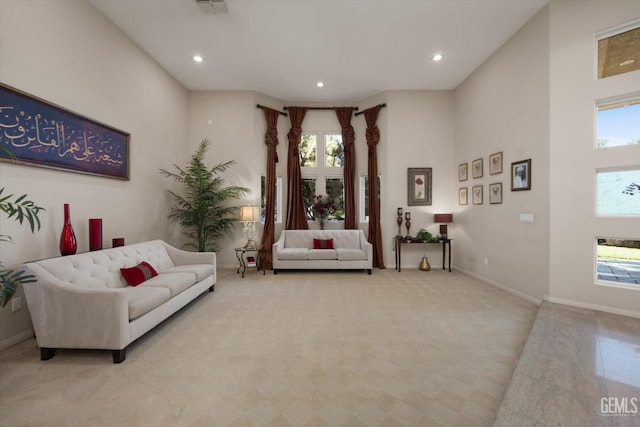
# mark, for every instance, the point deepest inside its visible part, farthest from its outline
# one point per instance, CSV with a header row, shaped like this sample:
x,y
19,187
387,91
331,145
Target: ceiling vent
x,y
212,6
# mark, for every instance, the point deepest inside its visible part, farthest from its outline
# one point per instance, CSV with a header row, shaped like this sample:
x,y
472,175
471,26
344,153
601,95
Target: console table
x,y
399,241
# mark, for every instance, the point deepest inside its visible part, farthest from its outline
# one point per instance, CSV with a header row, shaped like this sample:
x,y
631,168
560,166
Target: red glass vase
x,y
68,244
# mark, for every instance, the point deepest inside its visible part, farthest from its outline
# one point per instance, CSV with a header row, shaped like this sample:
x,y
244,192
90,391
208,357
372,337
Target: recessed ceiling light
x,y
320,84
628,62
198,58
437,57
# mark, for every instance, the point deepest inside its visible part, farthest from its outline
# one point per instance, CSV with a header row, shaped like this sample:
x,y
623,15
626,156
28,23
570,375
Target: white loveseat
x,y
82,300
295,250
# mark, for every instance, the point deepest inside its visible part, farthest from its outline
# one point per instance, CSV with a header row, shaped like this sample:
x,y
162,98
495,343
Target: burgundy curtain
x,y
296,217
348,139
373,137
271,140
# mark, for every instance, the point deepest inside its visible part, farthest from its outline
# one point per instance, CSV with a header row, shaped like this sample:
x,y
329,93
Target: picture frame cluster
x,y
520,179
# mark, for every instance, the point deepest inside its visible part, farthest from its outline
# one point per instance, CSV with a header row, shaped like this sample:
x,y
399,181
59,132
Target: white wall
x,y
574,90
230,120
68,53
504,106
420,134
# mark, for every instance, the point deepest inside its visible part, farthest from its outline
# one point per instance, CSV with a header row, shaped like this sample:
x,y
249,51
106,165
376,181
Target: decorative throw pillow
x,y
138,274
322,243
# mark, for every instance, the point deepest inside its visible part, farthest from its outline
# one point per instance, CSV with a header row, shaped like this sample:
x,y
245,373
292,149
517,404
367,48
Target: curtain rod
x,y
362,112
323,108
262,107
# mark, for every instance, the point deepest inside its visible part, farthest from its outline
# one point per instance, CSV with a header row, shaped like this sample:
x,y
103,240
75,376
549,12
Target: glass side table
x,y
248,258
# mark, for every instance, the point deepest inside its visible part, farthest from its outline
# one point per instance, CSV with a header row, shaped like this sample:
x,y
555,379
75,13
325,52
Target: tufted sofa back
x,y
101,269
348,239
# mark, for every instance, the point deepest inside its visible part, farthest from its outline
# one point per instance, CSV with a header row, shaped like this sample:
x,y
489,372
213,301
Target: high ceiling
x,y
358,48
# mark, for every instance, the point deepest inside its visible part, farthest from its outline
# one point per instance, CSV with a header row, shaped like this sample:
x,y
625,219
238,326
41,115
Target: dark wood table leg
x,y
444,246
449,256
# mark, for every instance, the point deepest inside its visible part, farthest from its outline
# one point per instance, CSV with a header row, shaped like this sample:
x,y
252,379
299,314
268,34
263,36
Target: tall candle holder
x,y
399,221
407,223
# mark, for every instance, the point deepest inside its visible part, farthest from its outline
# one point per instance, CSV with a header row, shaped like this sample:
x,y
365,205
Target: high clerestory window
x,y
618,51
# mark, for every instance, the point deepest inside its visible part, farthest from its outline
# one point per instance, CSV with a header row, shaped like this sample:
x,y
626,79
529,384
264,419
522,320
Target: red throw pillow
x,y
322,243
138,274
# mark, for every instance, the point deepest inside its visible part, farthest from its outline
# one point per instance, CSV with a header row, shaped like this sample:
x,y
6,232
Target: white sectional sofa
x,y
295,250
83,301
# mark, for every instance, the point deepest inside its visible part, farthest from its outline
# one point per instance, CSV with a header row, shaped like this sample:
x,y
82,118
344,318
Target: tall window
x,y
322,171
263,199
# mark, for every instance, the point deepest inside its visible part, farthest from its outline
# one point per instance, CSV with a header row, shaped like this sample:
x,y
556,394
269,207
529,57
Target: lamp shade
x,y
249,213
443,218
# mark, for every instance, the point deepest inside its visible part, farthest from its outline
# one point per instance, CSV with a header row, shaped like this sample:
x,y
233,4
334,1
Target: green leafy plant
x,y
20,210
203,210
424,235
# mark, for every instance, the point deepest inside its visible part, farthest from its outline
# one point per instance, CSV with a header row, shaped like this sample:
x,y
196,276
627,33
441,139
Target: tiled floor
x,y
579,368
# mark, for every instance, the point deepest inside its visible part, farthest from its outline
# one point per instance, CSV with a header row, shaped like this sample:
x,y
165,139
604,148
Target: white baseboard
x,y
514,292
4,344
596,307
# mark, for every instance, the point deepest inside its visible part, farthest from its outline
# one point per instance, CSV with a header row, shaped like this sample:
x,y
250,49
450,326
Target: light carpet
x,y
294,349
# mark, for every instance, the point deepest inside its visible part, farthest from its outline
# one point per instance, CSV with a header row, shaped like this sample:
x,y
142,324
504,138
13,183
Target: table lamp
x,y
443,219
249,215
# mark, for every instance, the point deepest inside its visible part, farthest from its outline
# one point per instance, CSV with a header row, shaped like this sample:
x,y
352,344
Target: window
x,y
618,123
322,172
334,150
308,191
364,197
308,150
335,190
263,199
618,51
618,261
618,192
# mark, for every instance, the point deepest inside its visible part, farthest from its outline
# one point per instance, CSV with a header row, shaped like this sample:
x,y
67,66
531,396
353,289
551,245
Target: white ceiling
x,y
357,47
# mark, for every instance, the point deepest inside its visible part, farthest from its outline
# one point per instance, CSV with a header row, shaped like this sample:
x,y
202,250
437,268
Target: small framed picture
x,y
495,193
463,174
521,175
476,167
495,163
462,195
477,194
419,186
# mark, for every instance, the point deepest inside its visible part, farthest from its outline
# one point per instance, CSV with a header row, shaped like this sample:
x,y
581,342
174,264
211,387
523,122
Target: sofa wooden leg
x,y
47,353
212,288
369,271
275,271
119,355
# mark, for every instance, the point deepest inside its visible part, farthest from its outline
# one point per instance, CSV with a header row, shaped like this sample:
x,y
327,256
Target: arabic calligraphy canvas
x,y
36,132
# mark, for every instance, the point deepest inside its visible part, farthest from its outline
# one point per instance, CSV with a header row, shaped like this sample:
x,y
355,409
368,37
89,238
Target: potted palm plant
x,y
203,209
19,209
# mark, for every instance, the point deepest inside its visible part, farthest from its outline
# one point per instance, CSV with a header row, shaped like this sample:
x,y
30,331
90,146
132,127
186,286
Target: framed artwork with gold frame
x,y
463,171
495,163
476,168
462,196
